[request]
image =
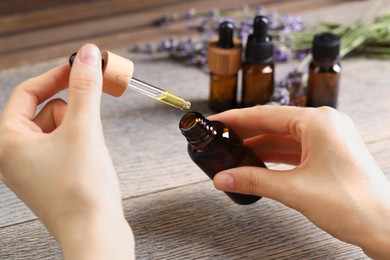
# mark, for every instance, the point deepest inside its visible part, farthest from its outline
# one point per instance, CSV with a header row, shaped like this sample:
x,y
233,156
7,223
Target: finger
x,y
291,159
51,115
257,120
273,143
32,92
85,85
256,181
275,148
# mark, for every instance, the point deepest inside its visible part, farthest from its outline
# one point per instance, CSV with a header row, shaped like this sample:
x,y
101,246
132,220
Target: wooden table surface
x,y
173,208
33,31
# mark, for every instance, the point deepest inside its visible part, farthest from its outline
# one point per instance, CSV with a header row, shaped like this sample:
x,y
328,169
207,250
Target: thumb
x,y
85,85
255,181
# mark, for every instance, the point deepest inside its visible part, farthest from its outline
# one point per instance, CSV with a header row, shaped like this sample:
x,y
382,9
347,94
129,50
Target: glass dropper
x,y
145,88
159,94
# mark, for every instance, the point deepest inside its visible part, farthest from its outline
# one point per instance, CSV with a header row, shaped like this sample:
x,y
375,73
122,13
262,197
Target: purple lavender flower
x,y
281,53
290,90
190,14
301,54
193,51
297,24
273,22
166,45
281,95
136,48
160,22
199,26
148,48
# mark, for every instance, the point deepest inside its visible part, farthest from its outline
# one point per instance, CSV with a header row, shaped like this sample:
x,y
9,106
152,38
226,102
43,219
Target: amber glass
x,y
214,147
323,84
257,84
223,92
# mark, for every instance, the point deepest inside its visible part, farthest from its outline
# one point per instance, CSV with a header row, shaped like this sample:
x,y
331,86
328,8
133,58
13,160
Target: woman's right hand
x,y
336,183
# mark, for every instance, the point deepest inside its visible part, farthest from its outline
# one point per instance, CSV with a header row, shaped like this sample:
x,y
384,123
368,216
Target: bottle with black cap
x,y
258,67
224,61
324,71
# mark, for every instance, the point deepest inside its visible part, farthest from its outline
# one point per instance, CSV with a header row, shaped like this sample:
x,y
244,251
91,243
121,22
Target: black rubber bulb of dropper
x,y
260,29
259,47
225,32
71,59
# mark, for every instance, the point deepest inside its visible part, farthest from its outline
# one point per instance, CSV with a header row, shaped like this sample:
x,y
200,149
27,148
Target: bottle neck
x,y
324,63
198,130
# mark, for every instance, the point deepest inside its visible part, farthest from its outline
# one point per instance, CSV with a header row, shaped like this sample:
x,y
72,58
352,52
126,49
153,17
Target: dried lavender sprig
x,y
362,35
207,25
193,51
290,39
366,35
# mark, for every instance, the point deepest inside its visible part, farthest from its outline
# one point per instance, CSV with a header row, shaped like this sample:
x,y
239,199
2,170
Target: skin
x,y
58,164
336,183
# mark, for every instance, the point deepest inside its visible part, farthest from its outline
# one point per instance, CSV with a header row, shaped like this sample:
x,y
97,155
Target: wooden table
x,y
174,211
34,31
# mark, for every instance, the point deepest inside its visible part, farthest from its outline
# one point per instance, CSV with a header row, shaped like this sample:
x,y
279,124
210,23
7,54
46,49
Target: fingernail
x,y
225,181
89,54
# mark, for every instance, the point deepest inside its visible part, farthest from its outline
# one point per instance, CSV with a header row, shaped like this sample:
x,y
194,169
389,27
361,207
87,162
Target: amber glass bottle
x,y
258,68
214,147
224,61
324,71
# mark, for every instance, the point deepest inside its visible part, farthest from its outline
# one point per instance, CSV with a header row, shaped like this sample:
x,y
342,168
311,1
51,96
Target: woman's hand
x,y
336,183
58,164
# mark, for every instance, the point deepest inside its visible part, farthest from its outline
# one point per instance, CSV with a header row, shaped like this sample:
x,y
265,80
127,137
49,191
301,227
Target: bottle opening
x,y
195,127
188,121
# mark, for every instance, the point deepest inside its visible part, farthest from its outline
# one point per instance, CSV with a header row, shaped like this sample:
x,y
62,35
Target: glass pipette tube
x,y
143,87
159,94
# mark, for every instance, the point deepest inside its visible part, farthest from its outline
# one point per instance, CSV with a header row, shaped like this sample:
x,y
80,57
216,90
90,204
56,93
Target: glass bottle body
x,y
220,149
223,92
257,84
323,83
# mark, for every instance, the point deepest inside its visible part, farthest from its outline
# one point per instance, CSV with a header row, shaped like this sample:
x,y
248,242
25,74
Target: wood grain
x,y
197,222
38,34
117,73
224,61
172,206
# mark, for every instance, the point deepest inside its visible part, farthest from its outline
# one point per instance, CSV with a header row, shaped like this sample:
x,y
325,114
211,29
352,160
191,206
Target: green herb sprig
x,y
368,36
